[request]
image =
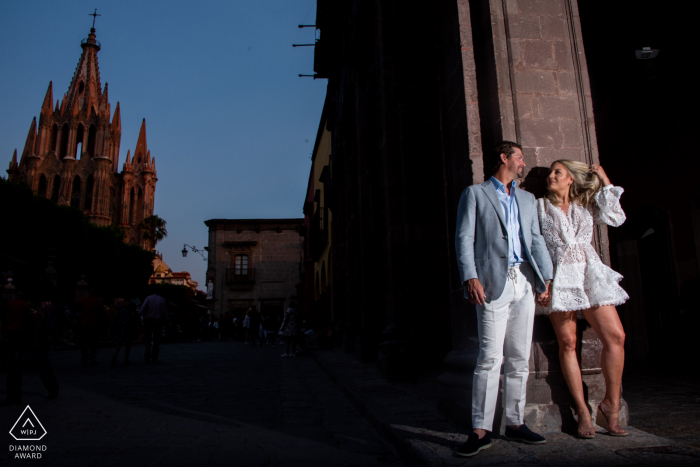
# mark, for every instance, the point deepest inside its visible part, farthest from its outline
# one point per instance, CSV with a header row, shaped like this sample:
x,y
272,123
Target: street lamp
x,y
184,251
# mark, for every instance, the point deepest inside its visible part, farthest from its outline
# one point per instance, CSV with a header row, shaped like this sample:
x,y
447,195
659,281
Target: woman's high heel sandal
x,y
602,420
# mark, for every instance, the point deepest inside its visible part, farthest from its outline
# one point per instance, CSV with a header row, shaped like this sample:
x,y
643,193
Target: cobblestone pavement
x,y
664,402
202,404
228,404
406,414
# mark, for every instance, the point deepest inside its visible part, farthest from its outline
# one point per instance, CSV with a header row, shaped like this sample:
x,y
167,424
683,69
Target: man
x,y
502,260
155,313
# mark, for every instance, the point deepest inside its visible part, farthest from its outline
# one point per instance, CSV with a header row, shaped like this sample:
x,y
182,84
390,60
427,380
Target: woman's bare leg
x,y
606,323
564,324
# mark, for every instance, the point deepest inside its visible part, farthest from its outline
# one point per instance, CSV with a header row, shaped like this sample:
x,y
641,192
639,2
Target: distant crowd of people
x,y
34,329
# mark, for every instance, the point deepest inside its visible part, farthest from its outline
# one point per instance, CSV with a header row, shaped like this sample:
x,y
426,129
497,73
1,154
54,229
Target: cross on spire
x,y
94,17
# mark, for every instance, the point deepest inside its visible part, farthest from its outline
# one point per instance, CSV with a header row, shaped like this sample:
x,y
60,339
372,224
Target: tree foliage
x,y
36,230
153,229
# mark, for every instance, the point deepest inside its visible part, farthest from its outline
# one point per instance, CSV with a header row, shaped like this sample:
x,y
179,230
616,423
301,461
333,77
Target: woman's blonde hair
x,y
585,185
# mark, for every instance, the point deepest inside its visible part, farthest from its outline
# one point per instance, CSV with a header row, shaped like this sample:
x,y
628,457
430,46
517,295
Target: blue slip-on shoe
x,y
474,445
524,435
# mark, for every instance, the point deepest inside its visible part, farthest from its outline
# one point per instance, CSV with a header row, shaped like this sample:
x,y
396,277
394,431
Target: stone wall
x,y
274,248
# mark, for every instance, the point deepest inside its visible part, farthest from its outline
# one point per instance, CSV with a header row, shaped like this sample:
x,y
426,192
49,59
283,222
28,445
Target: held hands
x,y
598,170
545,297
475,291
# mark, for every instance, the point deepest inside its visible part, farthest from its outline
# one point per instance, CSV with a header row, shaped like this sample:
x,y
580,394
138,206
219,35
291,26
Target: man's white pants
x,y
505,329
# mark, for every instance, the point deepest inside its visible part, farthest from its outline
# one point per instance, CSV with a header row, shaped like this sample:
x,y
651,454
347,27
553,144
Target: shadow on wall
x,y
536,181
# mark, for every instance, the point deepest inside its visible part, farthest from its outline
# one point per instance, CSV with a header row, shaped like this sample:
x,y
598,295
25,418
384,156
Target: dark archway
x,y
132,199
55,188
54,137
42,186
92,136
139,207
75,193
79,142
89,192
65,133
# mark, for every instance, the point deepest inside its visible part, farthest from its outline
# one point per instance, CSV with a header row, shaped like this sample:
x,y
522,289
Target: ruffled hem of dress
x,y
592,305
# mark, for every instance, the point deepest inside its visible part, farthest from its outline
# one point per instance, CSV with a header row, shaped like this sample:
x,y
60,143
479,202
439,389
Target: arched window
x,y
55,188
323,278
139,207
54,136
88,193
92,136
64,141
42,186
111,201
81,87
132,200
79,142
75,193
241,265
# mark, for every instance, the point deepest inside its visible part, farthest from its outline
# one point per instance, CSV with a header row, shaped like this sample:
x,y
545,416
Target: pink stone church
x,y
72,155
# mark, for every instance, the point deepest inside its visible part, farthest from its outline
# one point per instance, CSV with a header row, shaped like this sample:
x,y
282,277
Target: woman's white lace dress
x,y
581,280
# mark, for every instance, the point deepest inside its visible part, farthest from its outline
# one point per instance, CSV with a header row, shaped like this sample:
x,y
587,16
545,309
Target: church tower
x,y
72,155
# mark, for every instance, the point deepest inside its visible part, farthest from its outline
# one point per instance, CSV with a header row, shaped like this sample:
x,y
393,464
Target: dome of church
x,y
162,268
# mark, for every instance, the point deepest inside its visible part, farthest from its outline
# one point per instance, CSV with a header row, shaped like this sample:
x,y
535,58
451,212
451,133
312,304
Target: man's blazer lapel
x,y
493,197
525,212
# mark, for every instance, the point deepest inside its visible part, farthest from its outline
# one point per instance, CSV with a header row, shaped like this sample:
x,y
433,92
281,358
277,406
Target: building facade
x,y
253,263
162,274
317,279
72,155
411,116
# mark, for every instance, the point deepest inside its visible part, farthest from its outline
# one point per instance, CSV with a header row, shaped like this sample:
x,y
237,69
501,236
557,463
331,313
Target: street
x,y
225,403
208,403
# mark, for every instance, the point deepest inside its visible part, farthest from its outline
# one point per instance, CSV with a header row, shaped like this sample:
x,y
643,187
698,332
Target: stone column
x,y
533,89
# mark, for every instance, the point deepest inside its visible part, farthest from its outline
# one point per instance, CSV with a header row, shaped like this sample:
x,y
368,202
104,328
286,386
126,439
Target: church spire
x,y
85,86
13,162
141,148
31,139
104,107
117,120
48,100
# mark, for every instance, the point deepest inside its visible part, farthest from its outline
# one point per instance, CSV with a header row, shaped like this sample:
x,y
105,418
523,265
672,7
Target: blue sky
x,y
229,121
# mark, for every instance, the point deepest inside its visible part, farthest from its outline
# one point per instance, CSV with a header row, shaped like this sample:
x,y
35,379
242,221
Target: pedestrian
x,y
91,315
502,261
124,327
579,197
254,326
289,330
246,325
18,325
155,313
268,329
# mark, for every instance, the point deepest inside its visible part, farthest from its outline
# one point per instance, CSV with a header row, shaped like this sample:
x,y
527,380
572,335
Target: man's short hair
x,y
504,147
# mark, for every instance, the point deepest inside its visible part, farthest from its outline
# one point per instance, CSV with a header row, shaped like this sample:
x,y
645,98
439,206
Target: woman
x,y
582,284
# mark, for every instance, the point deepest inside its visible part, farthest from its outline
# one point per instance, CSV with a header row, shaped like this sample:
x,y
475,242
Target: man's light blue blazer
x,y
481,239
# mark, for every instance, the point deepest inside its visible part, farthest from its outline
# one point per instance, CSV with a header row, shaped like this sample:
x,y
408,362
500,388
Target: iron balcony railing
x,y
234,275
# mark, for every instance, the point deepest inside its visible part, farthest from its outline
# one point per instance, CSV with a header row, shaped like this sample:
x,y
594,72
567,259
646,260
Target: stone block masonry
x,y
254,263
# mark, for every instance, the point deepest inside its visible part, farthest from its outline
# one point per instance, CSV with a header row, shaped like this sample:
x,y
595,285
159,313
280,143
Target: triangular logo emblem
x,y
28,427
